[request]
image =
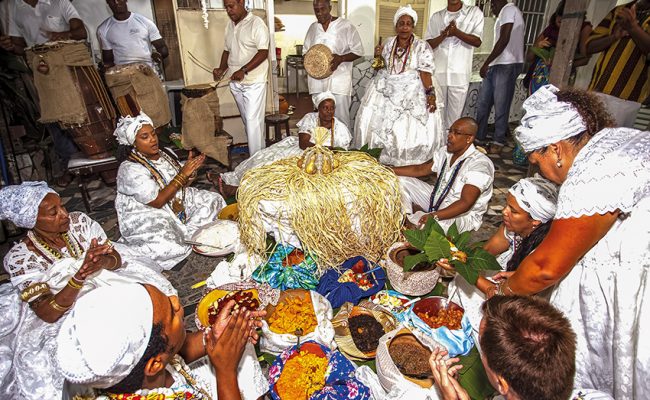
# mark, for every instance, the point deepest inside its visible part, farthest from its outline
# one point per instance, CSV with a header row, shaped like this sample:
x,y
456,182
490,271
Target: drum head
x,y
317,61
198,90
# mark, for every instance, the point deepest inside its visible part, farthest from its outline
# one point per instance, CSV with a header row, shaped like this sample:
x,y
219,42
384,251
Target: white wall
x,y
362,13
94,12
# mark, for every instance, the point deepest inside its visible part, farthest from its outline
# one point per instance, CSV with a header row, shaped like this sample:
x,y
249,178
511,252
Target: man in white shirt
x,y
463,186
499,73
453,33
245,55
127,38
342,38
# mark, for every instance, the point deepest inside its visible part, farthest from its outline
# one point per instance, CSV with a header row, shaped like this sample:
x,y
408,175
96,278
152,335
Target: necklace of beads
x,y
74,249
407,55
331,131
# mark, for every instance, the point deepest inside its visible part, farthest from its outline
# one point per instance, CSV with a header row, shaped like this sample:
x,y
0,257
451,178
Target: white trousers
x,y
623,111
453,97
251,102
342,111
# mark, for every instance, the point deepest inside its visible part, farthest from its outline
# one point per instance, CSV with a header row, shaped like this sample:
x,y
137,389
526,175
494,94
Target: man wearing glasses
x,y
463,184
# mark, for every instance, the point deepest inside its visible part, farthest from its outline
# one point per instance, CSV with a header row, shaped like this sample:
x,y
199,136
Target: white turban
x,y
19,203
406,10
537,196
320,97
547,120
128,127
105,335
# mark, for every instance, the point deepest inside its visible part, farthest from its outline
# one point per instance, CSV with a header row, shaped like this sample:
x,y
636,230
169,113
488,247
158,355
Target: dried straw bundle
x,y
353,210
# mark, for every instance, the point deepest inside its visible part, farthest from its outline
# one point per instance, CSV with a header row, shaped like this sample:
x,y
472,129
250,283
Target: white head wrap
x,y
19,203
547,120
105,335
318,98
537,196
406,10
128,127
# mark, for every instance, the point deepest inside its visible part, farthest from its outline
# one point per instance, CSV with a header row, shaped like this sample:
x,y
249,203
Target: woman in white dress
x,y
530,207
293,146
597,253
156,209
398,112
63,257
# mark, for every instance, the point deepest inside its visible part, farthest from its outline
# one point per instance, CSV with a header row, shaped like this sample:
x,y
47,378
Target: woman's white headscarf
x,y
128,127
406,10
537,196
19,203
105,335
320,97
547,120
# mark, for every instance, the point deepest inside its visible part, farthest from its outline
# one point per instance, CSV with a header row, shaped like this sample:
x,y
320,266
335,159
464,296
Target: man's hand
x,y
423,220
484,70
443,374
336,61
226,350
59,35
6,43
238,76
626,19
451,29
156,57
218,73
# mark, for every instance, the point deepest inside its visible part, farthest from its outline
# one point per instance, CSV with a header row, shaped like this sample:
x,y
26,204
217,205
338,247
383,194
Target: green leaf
x,y
437,246
413,260
433,226
416,237
268,358
452,233
472,376
481,260
462,240
466,271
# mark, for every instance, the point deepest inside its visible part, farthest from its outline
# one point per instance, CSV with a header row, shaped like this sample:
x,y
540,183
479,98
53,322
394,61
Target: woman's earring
x,y
559,163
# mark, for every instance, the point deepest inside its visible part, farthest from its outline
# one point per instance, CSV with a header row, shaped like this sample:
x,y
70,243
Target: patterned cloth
x,y
340,382
278,276
19,203
129,126
338,293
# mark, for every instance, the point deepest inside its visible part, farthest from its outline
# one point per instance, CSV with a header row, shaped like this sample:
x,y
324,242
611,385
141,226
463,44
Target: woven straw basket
x,y
317,61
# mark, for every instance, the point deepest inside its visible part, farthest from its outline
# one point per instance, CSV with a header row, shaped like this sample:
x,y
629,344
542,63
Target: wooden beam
x,y
574,12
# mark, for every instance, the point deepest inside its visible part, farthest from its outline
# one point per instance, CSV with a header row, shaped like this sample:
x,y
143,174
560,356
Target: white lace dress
x,y
393,114
157,232
606,296
288,147
27,343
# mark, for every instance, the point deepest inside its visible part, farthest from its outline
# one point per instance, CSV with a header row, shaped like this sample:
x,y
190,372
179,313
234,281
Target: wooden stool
x,y
84,168
277,120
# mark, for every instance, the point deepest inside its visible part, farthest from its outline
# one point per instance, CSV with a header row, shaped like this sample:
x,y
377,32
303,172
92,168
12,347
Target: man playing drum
x,y
34,22
127,38
245,55
344,41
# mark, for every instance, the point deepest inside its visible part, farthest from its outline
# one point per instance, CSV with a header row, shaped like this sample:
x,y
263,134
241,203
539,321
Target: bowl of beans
x,y
437,311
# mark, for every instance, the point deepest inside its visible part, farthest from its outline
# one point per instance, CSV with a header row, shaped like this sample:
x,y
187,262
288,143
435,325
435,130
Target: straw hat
x,y
317,61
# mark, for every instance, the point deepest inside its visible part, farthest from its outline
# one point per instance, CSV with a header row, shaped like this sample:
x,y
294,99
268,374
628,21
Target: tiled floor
x,y
196,268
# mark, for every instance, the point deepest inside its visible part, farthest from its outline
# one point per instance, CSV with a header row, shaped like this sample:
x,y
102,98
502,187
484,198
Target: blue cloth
x,y
338,293
301,276
457,341
498,89
339,384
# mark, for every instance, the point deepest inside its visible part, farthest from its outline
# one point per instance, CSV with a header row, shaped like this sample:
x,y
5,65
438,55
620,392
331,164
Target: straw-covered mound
x,y
352,210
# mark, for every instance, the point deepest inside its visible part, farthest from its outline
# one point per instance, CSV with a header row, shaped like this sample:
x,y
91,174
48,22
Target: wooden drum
x,y
72,93
208,93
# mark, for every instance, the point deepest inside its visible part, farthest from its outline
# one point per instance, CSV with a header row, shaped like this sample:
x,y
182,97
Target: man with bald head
x,y
342,38
463,184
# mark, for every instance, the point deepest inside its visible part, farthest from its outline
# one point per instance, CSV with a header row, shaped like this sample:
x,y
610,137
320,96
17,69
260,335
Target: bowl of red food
x,y
214,301
436,311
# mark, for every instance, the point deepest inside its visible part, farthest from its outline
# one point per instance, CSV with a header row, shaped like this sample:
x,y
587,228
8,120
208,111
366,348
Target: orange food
x,y
293,314
301,376
447,317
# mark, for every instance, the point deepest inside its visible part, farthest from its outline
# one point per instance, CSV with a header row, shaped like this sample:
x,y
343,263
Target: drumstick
x,y
198,62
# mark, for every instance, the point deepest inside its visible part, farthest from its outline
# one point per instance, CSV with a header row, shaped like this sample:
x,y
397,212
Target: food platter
x,y
211,303
436,311
220,238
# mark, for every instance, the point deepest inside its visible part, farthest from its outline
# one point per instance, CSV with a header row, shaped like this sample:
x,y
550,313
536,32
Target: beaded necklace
x,y
406,55
177,205
74,248
331,130
445,191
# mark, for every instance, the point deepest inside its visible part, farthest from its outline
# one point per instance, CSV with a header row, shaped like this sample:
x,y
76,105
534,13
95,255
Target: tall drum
x,y
72,93
136,87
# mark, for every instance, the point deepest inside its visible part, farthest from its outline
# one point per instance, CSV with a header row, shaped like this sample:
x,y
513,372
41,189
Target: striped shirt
x,y
622,69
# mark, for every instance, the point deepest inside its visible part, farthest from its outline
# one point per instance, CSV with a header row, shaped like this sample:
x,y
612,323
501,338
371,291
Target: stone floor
x,y
196,268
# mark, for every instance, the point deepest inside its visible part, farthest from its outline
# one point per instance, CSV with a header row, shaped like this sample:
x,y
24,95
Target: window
x,y
386,10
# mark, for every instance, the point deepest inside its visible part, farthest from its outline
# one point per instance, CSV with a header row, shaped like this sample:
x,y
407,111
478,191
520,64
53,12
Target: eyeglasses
x,y
456,132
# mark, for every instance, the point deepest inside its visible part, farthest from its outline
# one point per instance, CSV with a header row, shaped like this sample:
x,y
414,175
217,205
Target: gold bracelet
x,y
179,182
74,284
58,307
176,183
116,261
182,178
506,286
